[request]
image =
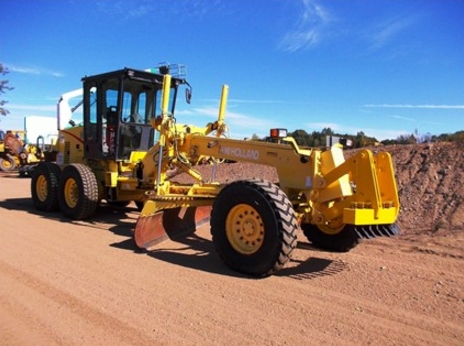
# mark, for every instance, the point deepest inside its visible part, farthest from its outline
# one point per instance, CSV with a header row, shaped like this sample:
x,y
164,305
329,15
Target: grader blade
x,y
171,224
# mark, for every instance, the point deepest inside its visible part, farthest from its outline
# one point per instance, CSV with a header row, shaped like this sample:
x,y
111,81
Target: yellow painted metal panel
x,y
111,179
367,216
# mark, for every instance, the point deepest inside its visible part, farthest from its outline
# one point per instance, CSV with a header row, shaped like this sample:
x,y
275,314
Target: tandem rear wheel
x,y
78,192
44,186
74,190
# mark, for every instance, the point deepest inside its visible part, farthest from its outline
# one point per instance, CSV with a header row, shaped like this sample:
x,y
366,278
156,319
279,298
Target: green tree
x,y
327,131
255,137
407,139
389,141
360,139
300,136
4,88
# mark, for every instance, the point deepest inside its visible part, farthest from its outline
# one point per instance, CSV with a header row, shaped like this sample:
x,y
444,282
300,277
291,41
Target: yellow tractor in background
x,y
130,141
15,153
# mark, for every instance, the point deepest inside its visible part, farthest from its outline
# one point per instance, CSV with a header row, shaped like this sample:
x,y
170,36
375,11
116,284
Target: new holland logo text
x,y
237,152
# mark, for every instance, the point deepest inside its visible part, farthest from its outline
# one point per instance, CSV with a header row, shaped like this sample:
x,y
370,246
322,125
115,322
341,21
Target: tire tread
x,y
284,214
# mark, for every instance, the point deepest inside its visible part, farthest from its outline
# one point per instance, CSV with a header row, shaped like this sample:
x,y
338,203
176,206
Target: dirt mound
x,y
429,176
431,186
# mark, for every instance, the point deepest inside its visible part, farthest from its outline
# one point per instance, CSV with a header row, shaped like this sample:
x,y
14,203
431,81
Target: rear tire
x,y
78,192
7,163
253,227
44,186
342,241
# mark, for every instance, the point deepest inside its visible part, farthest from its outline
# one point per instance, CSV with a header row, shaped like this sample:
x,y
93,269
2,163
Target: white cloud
x,y
137,9
382,134
415,106
309,29
183,112
37,108
399,117
247,121
33,70
231,101
130,9
379,134
240,125
255,101
385,32
208,111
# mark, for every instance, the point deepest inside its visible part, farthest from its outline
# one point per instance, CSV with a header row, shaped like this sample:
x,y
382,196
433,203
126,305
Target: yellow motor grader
x,y
130,141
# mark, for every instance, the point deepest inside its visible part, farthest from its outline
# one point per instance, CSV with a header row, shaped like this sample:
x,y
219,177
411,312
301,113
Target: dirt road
x,y
82,283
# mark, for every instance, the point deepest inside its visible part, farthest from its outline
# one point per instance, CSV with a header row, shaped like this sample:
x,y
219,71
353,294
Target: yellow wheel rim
x,y
7,164
333,227
71,193
245,229
41,188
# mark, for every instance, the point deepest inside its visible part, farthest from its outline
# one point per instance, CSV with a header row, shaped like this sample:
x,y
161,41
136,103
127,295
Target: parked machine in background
x,y
15,153
130,139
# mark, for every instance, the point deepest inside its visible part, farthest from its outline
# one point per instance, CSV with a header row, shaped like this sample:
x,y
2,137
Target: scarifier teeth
x,y
363,232
374,231
394,229
377,230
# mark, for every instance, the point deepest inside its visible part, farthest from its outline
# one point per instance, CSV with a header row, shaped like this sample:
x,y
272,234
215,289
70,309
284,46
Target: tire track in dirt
x,y
26,324
341,313
71,310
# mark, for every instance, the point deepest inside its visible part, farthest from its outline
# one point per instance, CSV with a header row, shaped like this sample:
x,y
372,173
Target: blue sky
x,y
384,67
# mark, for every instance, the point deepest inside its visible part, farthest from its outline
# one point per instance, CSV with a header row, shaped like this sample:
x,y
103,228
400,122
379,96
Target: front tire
x,y
253,227
78,192
44,186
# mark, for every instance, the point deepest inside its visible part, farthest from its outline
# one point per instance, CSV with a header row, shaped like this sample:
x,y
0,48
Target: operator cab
x,y
118,107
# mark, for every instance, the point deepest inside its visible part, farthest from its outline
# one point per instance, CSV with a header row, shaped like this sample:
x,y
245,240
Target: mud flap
x,y
169,224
